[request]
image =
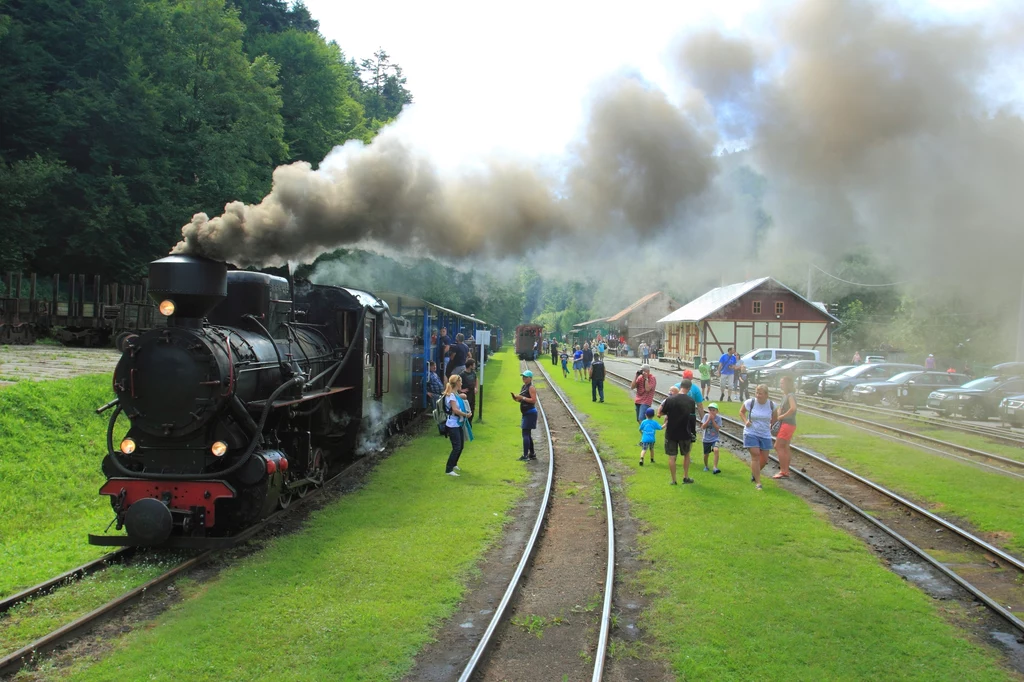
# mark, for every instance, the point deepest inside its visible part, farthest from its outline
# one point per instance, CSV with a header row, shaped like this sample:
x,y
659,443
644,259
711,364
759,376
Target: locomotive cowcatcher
x,y
244,401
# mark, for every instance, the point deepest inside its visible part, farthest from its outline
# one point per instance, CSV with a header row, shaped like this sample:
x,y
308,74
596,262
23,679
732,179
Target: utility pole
x,y
810,290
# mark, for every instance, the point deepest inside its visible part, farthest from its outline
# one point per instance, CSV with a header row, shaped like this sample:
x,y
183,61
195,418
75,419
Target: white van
x,y
762,356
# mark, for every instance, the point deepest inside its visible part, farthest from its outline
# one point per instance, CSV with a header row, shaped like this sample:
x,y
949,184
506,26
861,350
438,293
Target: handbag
x,y
776,427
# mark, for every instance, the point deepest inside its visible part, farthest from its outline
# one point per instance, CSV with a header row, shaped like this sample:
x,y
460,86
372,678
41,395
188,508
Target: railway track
x,y
488,655
15,661
987,460
1004,435
990,574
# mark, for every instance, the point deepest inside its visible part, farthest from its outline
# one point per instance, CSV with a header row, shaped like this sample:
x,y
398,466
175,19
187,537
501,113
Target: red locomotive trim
x,y
184,494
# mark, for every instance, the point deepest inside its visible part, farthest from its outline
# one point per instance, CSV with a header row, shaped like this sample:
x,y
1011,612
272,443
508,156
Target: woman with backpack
x,y
456,409
758,417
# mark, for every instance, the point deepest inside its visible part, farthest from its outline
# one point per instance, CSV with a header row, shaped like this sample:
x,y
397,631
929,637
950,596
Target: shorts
x,y
727,381
577,364
529,420
673,447
752,441
786,431
586,365
647,447
709,446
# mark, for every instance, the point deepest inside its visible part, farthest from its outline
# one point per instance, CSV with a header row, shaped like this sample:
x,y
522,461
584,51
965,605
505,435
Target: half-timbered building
x,y
761,313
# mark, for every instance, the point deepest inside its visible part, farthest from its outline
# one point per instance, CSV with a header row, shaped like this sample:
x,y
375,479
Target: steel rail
x,y
988,601
94,566
15,661
606,611
978,542
499,612
967,535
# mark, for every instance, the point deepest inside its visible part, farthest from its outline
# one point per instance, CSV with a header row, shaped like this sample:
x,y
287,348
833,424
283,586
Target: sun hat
x,y
527,373
650,412
713,406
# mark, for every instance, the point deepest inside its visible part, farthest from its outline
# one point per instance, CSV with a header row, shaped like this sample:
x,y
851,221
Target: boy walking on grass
x,y
712,425
564,356
648,435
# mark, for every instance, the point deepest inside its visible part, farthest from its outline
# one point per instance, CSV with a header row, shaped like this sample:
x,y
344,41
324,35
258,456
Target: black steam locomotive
x,y
246,399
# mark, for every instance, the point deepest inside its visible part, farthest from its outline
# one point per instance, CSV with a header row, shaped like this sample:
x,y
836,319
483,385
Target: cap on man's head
x,y
650,412
687,373
527,373
713,406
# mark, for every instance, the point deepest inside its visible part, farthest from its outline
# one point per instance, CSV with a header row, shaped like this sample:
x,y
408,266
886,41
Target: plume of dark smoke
x,y
640,162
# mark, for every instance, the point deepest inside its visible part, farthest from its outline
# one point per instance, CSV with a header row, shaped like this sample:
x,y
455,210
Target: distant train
x,y
528,338
250,394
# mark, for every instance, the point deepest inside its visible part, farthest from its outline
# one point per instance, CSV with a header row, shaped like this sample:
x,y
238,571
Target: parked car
x,y
978,399
809,383
759,357
1011,410
841,385
874,358
1009,369
754,375
793,368
906,389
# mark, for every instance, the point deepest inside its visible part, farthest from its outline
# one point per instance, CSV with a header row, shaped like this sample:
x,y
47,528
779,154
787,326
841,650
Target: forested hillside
x,y
121,118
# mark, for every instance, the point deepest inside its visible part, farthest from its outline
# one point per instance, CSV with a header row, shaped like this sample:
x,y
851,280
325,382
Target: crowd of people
x,y
682,416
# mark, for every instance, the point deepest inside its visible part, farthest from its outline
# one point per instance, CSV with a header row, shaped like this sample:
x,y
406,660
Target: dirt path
x,y
44,362
551,630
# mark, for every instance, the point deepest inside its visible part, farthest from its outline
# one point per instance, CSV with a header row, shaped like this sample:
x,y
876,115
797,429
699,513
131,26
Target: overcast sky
x,y
516,76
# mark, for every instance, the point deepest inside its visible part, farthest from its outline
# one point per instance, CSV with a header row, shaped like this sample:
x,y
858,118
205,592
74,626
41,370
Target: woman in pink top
x,y
644,385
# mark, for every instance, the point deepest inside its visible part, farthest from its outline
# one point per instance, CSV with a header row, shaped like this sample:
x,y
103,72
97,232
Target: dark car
x,y
794,368
841,385
808,383
1011,410
907,389
754,374
978,399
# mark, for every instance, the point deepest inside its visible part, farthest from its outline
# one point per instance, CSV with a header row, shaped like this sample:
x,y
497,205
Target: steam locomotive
x,y
253,390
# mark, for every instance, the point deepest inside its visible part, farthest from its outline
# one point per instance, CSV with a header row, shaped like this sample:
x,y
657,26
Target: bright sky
x,y
516,75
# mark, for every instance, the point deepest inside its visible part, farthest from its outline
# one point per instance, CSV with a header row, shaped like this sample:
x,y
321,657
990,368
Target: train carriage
x,y
528,338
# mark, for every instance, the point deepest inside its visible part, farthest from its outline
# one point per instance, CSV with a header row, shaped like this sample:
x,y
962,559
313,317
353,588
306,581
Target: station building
x,y
760,313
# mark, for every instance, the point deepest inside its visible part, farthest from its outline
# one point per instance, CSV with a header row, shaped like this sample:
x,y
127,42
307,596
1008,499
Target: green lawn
x,y
756,585
51,446
989,501
359,591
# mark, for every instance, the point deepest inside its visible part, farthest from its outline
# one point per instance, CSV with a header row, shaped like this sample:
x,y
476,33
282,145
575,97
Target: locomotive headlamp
x,y
219,448
166,307
127,446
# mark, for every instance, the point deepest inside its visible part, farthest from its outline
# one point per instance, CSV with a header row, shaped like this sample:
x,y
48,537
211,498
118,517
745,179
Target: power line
x,y
856,284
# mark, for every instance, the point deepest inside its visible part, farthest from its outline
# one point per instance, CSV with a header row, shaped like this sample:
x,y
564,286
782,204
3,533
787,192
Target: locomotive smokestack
x,y
187,288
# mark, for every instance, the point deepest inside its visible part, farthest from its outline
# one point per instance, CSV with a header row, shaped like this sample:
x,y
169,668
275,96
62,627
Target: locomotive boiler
x,y
245,400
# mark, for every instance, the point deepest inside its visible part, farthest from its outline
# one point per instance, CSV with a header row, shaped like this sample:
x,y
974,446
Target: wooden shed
x,y
761,313
639,321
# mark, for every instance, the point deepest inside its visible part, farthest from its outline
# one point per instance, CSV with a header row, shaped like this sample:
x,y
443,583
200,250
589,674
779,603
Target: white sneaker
x,y
452,473
456,467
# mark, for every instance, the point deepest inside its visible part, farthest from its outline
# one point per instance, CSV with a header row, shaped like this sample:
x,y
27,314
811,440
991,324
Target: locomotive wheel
x,y
284,500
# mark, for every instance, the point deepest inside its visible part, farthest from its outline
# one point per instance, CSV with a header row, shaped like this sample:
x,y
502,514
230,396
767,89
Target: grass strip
x,y
757,585
51,447
359,591
987,500
969,440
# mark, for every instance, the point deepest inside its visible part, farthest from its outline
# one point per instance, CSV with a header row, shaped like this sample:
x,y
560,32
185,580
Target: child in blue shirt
x,y
564,356
712,426
648,430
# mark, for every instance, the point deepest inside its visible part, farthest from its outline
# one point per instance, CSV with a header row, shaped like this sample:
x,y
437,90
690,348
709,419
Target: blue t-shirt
x,y
578,355
712,428
648,427
694,392
725,363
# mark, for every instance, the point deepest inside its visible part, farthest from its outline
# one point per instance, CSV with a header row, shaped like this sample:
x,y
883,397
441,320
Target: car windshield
x,y
839,370
984,383
774,363
791,363
858,370
902,376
